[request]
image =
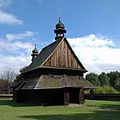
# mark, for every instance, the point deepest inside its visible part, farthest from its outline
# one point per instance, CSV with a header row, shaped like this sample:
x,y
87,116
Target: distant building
x,y
55,76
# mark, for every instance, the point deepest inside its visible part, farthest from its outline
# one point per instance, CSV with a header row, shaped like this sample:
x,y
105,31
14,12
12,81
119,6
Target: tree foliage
x,y
104,79
106,90
93,78
114,77
111,79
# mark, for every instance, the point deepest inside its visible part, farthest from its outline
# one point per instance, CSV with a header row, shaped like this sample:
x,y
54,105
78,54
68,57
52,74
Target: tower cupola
x,y
60,30
34,53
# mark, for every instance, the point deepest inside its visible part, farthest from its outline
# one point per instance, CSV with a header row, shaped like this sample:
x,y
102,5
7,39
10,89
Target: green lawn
x,y
91,110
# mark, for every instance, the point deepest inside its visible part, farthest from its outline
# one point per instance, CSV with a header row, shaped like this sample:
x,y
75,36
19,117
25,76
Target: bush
x,y
106,90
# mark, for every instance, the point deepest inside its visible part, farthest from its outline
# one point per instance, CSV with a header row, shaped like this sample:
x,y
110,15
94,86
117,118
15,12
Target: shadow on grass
x,y
57,117
110,107
101,112
14,104
97,115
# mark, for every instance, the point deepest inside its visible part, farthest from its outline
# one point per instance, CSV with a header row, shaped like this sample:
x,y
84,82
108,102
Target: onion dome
x,y
35,50
60,25
60,30
34,53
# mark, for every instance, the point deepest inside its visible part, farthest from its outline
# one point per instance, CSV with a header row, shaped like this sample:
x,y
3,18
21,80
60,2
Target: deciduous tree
x,y
104,79
93,78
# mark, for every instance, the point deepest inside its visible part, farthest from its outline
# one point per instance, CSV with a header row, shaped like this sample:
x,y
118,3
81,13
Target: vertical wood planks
x,y
63,57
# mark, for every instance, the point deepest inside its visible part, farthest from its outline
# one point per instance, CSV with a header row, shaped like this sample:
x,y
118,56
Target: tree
x,y
8,75
114,77
117,84
93,78
4,87
104,79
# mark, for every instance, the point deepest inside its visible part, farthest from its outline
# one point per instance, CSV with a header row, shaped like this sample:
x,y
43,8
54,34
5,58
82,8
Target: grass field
x,y
91,110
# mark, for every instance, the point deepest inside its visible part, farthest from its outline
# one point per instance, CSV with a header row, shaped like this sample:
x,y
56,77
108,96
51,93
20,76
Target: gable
x,y
63,57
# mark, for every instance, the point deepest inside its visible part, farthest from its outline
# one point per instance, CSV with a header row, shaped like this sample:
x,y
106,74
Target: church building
x,y
55,76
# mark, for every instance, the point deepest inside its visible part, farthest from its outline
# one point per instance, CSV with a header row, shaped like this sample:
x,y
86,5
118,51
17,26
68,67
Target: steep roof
x,y
54,81
43,55
47,53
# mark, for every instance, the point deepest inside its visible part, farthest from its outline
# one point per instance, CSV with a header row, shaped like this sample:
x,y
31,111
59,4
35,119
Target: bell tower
x,y
60,30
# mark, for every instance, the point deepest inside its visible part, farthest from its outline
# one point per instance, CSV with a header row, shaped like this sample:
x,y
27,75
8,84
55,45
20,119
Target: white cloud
x,y
20,36
13,62
7,18
15,54
15,47
5,3
97,53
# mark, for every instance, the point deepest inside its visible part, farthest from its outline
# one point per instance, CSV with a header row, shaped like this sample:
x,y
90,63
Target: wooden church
x,y
55,76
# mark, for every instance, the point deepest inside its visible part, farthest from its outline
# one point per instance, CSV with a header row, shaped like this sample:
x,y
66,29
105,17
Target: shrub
x,y
106,90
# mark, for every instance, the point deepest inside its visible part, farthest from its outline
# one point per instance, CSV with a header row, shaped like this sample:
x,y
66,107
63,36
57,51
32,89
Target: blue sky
x,y
93,24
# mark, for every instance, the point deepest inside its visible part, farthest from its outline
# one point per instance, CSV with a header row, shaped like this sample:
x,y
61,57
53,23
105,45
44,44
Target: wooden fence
x,y
6,96
110,97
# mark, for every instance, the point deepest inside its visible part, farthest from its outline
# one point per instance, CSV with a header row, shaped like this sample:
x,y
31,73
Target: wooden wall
x,y
63,57
40,97
62,96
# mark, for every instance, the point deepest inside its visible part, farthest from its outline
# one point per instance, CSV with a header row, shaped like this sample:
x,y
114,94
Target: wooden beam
x,y
66,96
81,96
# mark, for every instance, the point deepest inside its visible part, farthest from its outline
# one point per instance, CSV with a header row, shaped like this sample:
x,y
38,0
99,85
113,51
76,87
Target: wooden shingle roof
x,y
43,55
53,82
